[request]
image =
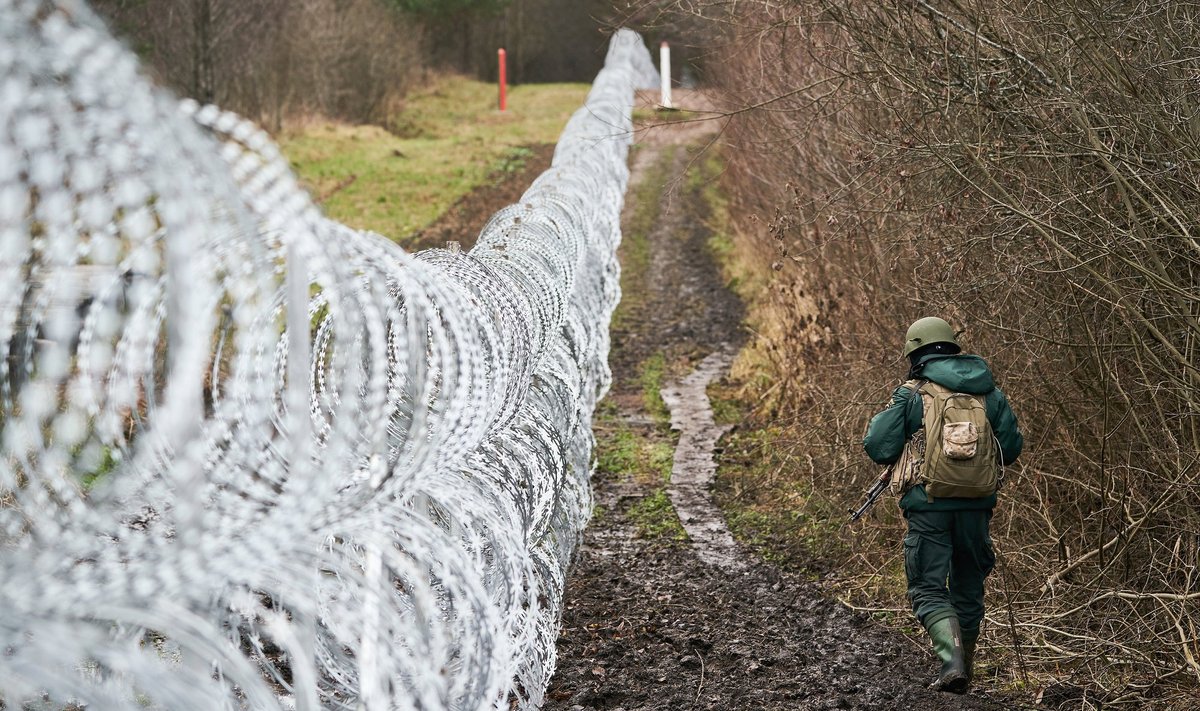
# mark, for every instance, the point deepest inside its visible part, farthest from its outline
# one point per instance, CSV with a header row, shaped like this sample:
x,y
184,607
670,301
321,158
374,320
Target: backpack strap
x,y
909,464
915,386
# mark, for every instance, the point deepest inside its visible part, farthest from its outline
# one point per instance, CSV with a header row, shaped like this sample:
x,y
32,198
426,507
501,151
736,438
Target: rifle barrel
x,y
872,496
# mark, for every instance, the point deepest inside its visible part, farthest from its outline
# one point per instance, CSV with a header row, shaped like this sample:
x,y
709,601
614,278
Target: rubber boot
x,y
969,638
948,646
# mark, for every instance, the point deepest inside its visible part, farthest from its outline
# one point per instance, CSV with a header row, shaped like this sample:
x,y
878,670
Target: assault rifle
x,y
873,494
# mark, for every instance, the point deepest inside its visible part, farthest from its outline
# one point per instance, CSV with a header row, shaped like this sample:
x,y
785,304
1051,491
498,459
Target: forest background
x,y
355,60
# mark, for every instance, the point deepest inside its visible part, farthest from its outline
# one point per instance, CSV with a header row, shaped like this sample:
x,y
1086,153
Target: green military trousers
x,y
947,556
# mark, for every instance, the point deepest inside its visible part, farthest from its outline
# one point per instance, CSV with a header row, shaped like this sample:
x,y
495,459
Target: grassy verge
x,y
448,140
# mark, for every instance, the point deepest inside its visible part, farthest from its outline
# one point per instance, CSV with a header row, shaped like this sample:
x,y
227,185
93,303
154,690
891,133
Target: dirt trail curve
x,y
702,624
693,468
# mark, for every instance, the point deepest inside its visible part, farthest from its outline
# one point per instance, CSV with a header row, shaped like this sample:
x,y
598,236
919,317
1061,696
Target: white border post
x,y
664,57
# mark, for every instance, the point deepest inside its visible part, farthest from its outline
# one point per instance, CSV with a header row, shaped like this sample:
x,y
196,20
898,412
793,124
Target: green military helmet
x,y
930,329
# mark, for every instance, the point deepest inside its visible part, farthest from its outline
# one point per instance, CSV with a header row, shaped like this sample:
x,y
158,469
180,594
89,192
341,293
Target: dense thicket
x,y
1030,171
546,40
275,59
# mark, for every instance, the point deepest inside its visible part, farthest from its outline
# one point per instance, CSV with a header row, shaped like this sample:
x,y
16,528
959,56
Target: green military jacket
x,y
890,430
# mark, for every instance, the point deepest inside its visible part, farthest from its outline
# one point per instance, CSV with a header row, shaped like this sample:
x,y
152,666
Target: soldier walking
x,y
949,431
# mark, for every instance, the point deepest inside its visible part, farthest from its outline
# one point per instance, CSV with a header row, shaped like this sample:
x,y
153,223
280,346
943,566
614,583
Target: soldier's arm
x,y
889,430
1004,424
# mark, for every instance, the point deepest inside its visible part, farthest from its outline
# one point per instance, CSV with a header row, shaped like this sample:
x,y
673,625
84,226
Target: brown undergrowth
x,y
1025,171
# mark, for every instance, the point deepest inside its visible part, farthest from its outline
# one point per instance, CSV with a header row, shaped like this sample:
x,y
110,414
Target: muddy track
x,y
655,623
694,469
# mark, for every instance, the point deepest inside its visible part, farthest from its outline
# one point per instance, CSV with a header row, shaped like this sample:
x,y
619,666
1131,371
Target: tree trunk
x,y
464,21
202,51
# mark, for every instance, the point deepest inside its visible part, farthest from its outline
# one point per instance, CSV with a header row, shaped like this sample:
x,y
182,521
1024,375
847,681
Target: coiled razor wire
x,y
254,458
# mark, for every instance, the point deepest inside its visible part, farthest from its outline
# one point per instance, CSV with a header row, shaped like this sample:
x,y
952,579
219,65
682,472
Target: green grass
x,y
642,456
95,463
513,161
633,454
448,140
655,518
618,449
635,243
651,379
769,508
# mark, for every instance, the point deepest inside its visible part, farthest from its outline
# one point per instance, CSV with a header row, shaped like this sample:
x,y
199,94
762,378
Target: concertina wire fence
x,y
254,458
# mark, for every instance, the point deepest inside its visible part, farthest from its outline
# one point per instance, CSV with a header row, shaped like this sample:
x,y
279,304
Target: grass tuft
x,y
651,379
655,518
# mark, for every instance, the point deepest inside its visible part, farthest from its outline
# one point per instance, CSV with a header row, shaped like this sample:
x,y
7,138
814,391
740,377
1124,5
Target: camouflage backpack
x,y
955,452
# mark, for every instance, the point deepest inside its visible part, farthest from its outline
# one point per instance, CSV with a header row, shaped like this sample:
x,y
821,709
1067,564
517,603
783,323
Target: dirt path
x,y
652,622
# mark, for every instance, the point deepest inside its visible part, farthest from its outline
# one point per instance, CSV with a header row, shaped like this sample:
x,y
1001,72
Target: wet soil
x,y
694,468
653,623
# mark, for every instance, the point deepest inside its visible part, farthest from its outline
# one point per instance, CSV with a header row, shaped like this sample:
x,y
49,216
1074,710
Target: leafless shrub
x,y
1029,171
276,59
